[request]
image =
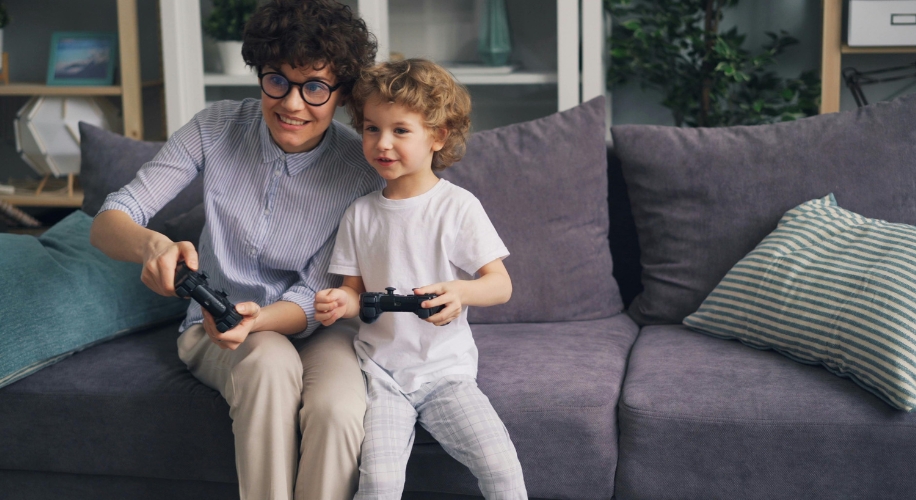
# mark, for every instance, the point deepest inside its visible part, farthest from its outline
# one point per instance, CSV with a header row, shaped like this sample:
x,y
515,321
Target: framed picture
x,y
82,58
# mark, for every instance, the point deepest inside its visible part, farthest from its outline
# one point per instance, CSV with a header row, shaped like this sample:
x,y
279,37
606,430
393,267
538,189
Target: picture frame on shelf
x,y
82,58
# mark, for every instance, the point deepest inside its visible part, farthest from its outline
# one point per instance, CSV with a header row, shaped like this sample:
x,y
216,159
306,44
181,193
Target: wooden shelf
x,y
45,199
846,49
30,89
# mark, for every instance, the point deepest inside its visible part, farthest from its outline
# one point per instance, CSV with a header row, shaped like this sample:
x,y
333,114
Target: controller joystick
x,y
373,304
192,284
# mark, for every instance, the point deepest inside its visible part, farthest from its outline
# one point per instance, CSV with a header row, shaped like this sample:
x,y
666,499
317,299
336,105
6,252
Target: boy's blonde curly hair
x,y
423,87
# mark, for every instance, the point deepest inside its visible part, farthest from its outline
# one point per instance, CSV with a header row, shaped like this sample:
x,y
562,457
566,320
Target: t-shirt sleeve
x,y
477,243
344,260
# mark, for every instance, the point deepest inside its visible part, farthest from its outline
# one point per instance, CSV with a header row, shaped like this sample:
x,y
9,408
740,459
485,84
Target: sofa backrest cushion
x,y
703,198
109,161
544,186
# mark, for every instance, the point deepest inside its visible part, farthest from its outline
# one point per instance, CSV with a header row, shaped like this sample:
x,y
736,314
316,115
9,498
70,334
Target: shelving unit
x,y
129,90
832,52
576,21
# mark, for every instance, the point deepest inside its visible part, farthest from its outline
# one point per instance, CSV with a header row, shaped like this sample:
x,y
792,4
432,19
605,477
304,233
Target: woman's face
x,y
295,125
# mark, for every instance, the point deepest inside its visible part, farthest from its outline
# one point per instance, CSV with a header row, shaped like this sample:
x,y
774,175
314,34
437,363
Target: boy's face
x,y
295,125
396,141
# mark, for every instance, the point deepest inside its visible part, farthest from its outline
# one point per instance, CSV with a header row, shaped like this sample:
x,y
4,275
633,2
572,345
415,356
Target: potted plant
x,y
226,25
708,78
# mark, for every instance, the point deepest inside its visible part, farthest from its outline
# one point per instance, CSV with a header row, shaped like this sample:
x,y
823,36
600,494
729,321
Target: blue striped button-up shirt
x,y
271,217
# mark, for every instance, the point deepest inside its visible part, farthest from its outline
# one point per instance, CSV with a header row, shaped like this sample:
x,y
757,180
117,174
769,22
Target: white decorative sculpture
x,y
48,135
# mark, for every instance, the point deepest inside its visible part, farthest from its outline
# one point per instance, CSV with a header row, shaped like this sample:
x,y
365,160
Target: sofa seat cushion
x,y
129,407
702,417
555,386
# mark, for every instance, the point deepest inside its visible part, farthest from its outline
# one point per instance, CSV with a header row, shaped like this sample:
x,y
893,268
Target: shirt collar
x,y
295,162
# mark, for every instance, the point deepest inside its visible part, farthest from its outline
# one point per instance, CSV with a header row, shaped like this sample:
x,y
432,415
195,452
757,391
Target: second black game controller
x,y
192,284
373,304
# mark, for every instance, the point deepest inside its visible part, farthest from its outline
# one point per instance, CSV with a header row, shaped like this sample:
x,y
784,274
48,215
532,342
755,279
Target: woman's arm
x,y
119,237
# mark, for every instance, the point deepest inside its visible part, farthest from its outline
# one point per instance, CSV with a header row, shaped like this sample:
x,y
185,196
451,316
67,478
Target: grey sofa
x,y
605,403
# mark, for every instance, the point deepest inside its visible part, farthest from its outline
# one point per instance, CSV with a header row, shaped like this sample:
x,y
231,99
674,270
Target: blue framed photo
x,y
82,58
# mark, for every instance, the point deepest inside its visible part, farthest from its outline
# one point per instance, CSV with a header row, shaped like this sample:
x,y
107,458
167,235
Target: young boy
x,y
425,235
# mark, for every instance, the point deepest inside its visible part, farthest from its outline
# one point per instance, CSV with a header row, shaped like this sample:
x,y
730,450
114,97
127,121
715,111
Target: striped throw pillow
x,y
828,287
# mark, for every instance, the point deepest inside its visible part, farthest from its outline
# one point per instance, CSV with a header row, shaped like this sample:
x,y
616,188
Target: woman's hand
x,y
450,294
232,339
160,262
331,304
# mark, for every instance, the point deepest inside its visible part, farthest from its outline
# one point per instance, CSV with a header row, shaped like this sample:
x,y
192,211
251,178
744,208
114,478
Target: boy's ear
x,y
439,137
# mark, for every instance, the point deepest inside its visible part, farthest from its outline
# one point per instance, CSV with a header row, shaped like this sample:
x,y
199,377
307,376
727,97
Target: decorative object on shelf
x,y
4,20
707,77
47,131
226,25
855,79
882,23
18,217
82,58
493,43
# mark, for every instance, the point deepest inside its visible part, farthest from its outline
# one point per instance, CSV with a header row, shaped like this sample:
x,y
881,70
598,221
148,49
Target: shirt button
x,y
253,252
276,173
266,211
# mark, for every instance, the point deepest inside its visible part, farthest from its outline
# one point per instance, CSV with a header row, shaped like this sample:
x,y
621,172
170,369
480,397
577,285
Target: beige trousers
x,y
297,409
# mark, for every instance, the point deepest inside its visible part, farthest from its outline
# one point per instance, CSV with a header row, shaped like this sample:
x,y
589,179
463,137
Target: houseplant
x,y
706,76
226,24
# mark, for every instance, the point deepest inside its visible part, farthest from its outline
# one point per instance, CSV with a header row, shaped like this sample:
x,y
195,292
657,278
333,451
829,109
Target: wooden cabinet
x,y
832,51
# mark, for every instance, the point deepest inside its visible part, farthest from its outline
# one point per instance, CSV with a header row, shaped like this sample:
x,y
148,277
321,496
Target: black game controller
x,y
373,304
192,284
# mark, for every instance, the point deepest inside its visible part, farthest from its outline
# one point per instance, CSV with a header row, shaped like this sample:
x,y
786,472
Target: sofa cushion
x,y
544,185
702,417
703,198
60,295
108,161
827,287
555,385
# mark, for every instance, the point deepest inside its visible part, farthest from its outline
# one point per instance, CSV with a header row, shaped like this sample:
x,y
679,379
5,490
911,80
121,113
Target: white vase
x,y
230,54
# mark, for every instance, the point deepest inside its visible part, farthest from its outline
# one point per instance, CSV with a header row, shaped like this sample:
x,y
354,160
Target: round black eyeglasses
x,y
313,92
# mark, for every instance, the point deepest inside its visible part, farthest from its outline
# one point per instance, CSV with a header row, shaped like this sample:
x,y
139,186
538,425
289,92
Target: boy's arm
x,y
334,303
492,287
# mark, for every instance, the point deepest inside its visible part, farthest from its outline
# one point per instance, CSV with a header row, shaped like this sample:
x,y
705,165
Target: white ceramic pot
x,y
230,54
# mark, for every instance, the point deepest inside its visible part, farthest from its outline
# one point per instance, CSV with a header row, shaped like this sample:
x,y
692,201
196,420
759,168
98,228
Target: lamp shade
x,y
47,130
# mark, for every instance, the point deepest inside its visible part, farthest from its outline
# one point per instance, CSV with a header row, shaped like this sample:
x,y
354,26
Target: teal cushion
x,y
59,295
829,287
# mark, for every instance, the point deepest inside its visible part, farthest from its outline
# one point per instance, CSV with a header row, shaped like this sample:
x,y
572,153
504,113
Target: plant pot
x,y
230,54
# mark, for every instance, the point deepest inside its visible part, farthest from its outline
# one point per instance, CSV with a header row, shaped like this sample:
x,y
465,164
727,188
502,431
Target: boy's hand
x,y
450,294
232,339
330,305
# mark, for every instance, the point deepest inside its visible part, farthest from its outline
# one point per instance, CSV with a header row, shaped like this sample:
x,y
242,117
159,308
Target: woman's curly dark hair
x,y
312,33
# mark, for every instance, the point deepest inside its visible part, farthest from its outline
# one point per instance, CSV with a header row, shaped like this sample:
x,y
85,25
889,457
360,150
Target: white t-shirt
x,y
442,235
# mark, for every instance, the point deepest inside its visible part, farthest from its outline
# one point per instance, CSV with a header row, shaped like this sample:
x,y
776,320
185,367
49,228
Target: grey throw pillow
x,y
544,185
109,161
703,198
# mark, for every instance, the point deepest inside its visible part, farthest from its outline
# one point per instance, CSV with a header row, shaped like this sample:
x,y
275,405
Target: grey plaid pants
x,y
458,415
